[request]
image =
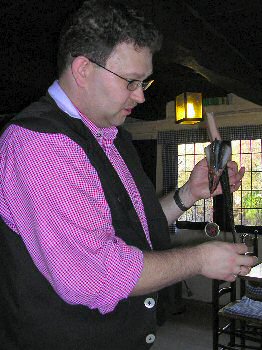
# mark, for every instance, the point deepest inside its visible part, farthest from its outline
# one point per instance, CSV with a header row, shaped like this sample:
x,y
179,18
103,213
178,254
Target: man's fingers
x,y
241,248
247,260
235,176
244,262
244,270
232,166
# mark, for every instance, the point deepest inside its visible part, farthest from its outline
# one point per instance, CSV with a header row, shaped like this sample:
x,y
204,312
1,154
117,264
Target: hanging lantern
x,y
189,108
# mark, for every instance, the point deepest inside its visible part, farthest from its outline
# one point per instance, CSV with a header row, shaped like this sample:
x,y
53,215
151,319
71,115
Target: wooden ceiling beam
x,y
190,42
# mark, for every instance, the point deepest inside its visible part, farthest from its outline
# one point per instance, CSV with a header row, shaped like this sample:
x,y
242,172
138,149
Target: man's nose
x,y
138,95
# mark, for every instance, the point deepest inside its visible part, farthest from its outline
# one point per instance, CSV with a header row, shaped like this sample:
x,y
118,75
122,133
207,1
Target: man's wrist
x,y
179,202
186,196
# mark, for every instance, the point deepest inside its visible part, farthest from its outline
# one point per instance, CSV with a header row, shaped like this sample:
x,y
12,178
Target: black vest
x,y
33,316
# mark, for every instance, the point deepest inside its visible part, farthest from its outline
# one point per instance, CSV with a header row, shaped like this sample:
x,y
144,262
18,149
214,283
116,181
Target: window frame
x,y
169,140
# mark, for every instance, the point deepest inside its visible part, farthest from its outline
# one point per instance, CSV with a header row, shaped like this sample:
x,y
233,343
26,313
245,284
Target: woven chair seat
x,y
246,309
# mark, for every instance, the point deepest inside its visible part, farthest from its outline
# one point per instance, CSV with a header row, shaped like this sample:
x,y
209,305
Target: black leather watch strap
x,y
178,201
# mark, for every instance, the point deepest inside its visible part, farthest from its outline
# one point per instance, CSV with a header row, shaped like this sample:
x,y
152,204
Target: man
x,y
84,240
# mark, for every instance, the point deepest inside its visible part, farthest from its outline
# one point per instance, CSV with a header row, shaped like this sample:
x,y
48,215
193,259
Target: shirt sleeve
x,y
57,205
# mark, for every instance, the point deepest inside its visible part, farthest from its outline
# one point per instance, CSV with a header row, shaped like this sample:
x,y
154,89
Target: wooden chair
x,y
233,327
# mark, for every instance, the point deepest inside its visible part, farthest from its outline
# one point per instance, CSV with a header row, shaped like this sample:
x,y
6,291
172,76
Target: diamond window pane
x,y
246,181
257,180
252,217
256,199
182,178
245,160
200,148
246,146
182,149
256,146
246,199
181,163
257,161
202,211
238,216
190,148
198,157
235,147
237,199
190,161
236,158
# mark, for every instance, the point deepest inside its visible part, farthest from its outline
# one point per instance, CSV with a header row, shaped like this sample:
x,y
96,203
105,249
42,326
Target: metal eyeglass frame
x,y
132,85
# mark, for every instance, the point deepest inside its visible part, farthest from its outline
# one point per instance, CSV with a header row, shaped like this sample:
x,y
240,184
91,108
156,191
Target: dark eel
x,y
218,153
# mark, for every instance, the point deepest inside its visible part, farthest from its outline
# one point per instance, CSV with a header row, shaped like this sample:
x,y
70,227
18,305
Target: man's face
x,y
107,100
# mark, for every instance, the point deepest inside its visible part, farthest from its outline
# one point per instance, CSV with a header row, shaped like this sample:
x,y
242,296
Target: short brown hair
x,y
98,26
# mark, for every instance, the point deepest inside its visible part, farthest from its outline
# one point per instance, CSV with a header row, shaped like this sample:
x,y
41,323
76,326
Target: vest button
x,y
149,303
150,338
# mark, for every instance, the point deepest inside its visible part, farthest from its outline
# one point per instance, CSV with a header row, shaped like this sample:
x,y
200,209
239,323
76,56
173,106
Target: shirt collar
x,y
62,101
65,104
104,136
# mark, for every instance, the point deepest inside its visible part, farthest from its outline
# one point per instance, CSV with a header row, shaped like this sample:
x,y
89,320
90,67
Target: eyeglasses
x,y
132,85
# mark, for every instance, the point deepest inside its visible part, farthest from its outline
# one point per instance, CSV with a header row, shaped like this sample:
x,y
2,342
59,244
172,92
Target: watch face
x,y
212,229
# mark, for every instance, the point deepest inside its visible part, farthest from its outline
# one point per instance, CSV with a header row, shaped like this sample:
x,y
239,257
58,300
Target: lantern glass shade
x,y
189,108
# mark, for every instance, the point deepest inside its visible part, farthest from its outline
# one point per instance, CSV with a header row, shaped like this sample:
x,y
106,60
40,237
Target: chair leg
x,y
233,322
215,317
242,335
232,333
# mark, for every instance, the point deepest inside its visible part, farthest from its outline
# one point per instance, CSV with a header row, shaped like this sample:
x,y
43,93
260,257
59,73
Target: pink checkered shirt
x,y
52,197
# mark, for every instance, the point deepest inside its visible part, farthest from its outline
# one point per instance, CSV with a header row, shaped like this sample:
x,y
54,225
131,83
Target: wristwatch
x,y
178,201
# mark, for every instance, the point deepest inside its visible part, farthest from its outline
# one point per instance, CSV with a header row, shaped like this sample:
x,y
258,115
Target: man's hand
x,y
216,260
198,184
225,261
197,187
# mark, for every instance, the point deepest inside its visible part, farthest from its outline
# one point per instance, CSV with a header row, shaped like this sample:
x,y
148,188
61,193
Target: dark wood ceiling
x,y
214,47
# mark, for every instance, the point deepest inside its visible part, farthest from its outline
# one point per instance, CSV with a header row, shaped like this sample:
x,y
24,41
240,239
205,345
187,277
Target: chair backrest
x,y
234,305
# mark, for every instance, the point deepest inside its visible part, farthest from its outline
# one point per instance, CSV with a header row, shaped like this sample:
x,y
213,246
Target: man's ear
x,y
81,67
